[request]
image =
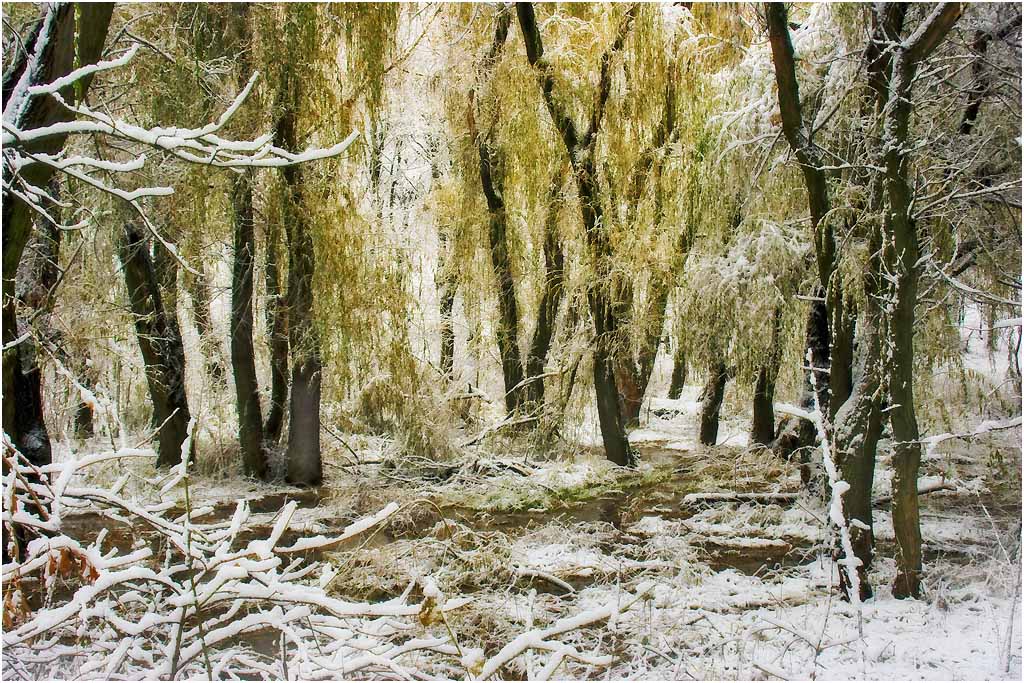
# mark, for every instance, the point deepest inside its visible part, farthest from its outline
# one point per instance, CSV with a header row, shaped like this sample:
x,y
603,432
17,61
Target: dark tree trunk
x,y
277,336
508,323
74,37
303,455
554,289
492,183
37,280
84,418
762,429
675,389
160,343
582,151
711,403
902,251
243,355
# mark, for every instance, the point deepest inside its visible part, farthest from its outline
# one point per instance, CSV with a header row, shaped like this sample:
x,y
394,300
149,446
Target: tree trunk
x,y
73,37
858,425
277,337
762,428
711,403
508,322
492,183
675,389
160,343
554,290
303,455
37,280
901,253
243,355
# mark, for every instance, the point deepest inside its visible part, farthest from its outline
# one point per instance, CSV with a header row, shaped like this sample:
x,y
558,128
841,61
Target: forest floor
x,y
736,590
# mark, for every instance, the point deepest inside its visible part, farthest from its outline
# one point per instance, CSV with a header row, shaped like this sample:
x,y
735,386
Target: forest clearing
x,y
512,341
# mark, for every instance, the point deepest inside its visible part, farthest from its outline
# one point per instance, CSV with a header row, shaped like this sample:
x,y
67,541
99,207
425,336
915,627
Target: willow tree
x,y
581,146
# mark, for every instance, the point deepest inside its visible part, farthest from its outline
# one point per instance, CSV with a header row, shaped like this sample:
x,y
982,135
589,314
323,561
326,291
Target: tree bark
x,y
858,426
243,355
37,279
160,343
901,254
581,151
73,36
711,403
446,287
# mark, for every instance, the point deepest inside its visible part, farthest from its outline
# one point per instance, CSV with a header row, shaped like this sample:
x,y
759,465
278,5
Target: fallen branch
x,y
512,422
550,578
922,491
736,497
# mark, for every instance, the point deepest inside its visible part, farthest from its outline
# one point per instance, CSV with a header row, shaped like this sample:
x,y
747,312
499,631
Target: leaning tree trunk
x,y
711,403
160,343
70,36
303,455
243,355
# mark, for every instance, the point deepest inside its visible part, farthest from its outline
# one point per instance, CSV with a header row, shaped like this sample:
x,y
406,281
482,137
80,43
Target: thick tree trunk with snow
x,y
711,403
160,343
69,35
243,355
858,426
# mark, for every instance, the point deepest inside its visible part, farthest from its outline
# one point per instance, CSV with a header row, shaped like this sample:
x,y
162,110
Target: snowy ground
x,y
654,585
